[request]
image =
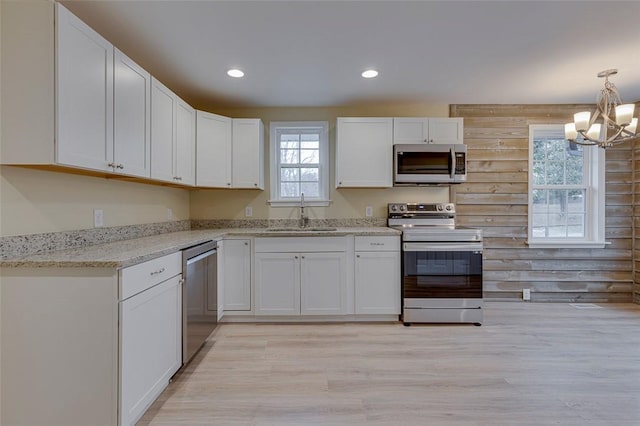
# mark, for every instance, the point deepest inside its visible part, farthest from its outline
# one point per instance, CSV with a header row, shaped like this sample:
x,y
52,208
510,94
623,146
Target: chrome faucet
x,y
304,220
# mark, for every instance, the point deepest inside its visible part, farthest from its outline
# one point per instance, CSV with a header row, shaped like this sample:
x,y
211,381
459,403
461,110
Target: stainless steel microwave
x,y
429,164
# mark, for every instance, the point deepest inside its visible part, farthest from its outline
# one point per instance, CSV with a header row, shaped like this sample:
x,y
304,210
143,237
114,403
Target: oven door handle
x,y
474,247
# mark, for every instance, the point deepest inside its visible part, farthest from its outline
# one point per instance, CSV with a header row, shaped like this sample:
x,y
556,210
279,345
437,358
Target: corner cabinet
x,y
364,152
173,136
415,130
301,276
230,152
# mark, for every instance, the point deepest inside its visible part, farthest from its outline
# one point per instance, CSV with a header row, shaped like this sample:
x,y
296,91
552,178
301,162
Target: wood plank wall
x,y
636,218
495,198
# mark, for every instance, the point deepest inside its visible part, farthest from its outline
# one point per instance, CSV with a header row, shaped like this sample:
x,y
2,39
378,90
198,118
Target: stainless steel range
x,y
441,264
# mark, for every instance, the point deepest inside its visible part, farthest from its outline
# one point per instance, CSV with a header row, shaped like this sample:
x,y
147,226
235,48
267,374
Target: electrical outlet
x,y
368,211
526,294
169,214
248,211
98,218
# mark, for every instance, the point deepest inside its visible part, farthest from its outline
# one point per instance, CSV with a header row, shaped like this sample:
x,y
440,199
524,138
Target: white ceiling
x,y
311,53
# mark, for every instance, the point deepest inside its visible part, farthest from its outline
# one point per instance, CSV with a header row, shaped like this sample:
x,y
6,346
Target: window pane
x,y
289,141
310,189
576,201
575,225
575,167
557,225
555,172
310,145
309,174
557,201
540,201
288,174
555,150
309,156
288,156
289,190
538,150
539,173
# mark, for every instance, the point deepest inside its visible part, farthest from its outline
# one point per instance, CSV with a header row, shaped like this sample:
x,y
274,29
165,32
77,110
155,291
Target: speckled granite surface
x,y
119,254
291,223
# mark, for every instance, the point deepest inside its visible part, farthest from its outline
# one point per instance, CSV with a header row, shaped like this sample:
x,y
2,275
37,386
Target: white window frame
x,y
594,174
321,201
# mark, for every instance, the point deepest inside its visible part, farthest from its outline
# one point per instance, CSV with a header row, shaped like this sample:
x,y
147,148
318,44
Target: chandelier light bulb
x,y
594,131
624,114
581,120
633,126
570,131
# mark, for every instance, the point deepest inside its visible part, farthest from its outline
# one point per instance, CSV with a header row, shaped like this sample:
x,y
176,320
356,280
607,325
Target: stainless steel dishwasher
x,y
199,296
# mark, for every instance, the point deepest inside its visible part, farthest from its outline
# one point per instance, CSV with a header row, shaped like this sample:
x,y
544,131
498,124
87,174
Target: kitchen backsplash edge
x,y
13,247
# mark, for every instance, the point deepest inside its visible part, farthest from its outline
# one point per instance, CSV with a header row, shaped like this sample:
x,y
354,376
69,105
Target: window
x,y
299,163
566,190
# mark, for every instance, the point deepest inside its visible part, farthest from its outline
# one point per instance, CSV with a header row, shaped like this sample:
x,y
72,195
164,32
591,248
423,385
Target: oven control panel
x,y
426,209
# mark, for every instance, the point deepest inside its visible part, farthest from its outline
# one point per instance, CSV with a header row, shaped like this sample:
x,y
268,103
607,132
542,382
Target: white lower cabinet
x,y
88,345
377,275
150,346
311,279
237,275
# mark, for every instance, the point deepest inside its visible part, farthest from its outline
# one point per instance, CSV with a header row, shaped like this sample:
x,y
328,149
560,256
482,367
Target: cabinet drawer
x,y
300,244
386,243
135,279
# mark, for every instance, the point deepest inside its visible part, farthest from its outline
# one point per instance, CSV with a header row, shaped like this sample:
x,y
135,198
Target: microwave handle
x,y
453,163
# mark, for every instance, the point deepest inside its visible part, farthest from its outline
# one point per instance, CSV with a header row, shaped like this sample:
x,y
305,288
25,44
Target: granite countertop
x,y
121,254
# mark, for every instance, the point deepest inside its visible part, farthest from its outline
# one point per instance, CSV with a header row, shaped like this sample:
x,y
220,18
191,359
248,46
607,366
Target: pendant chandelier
x,y
616,130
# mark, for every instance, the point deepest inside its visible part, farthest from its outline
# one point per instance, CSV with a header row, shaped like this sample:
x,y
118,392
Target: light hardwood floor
x,y
529,364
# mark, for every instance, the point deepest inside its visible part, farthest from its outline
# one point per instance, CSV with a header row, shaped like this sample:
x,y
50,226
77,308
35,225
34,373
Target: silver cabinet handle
x,y
159,271
255,184
111,165
295,257
357,255
120,166
246,243
303,257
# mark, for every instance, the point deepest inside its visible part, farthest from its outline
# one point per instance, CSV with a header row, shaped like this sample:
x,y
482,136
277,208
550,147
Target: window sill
x,y
307,203
567,244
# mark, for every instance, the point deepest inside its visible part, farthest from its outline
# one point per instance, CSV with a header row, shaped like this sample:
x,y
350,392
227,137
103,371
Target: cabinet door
x,y
277,284
446,130
163,131
220,270
323,284
185,146
150,346
364,152
213,147
237,275
410,130
377,282
131,117
247,154
84,91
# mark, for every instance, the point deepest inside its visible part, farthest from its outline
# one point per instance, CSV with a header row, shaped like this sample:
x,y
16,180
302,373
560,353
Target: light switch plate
x,y
248,211
526,294
98,218
169,214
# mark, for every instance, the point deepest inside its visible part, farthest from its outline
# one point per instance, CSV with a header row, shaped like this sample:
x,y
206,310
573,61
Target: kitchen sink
x,y
310,229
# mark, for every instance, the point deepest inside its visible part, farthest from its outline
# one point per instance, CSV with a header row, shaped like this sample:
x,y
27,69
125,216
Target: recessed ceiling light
x,y
234,72
370,73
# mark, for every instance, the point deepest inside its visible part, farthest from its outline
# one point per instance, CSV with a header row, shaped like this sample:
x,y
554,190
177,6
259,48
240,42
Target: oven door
x,y
442,270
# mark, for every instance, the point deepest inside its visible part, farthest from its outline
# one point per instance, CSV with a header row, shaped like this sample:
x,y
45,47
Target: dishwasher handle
x,y
201,256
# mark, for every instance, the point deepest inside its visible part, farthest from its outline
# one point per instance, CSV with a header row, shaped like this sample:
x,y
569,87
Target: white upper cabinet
x,y
213,159
364,152
410,130
247,164
84,89
185,145
132,117
172,136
